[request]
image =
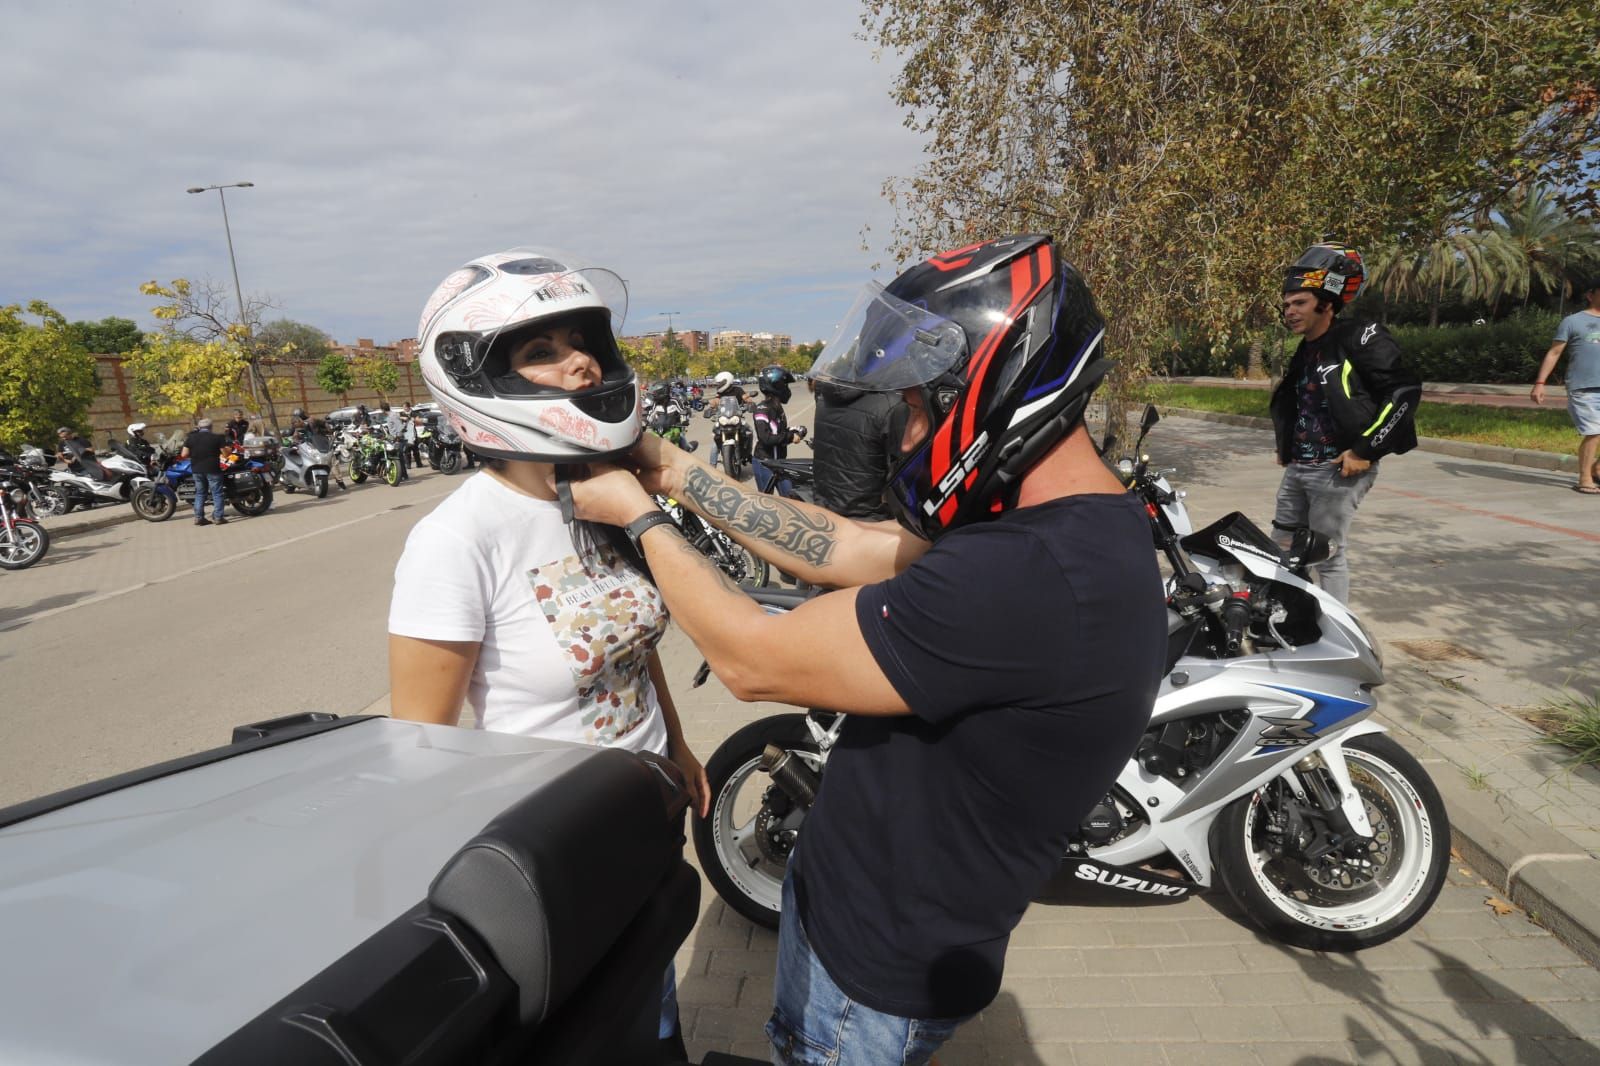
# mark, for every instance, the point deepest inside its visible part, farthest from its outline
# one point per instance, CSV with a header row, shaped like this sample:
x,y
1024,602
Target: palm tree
x,y
1552,246
1460,259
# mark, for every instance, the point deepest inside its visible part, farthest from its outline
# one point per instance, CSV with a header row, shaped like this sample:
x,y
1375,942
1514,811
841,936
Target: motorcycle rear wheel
x,y
152,505
1305,906
255,502
22,543
748,879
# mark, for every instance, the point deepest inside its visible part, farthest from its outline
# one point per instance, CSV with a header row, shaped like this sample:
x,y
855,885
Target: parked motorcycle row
x,y
1262,772
31,488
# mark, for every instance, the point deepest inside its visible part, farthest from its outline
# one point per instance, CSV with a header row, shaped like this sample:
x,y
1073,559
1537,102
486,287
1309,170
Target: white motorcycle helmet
x,y
136,428
724,382
477,317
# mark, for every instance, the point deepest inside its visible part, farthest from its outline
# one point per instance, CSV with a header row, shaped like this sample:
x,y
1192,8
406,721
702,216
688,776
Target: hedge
x,y
1506,352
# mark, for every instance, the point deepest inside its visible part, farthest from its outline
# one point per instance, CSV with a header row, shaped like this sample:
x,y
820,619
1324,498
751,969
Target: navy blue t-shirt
x,y
1029,649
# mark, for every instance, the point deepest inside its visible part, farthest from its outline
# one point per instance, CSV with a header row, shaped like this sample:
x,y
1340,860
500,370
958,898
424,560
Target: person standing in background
x,y
203,449
1581,333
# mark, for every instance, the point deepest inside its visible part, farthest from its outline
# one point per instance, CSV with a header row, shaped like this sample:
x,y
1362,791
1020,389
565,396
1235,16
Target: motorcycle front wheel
x,y
23,542
743,844
1369,893
730,460
391,473
53,500
153,505
255,502
321,481
741,564
358,473
448,463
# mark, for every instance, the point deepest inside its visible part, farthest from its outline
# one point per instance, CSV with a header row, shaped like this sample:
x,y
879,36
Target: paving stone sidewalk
x,y
1191,983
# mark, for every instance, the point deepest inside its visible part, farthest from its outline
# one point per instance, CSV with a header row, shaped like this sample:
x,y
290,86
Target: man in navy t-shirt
x,y
996,652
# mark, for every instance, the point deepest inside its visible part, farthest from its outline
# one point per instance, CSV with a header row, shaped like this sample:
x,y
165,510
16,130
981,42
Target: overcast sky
x,y
724,158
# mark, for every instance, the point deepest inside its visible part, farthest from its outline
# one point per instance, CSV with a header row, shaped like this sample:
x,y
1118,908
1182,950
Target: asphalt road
x,y
139,642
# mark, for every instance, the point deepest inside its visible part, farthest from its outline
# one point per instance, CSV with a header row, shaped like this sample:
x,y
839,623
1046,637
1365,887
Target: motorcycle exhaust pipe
x,y
798,781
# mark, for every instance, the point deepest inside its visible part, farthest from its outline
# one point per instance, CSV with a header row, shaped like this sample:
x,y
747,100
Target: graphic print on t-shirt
x,y
1314,437
606,620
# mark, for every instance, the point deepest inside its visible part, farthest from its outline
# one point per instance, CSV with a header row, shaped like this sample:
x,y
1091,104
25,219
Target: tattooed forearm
x,y
807,535
706,564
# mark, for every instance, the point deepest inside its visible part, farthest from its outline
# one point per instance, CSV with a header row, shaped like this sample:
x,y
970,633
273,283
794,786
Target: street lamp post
x,y
228,230
257,381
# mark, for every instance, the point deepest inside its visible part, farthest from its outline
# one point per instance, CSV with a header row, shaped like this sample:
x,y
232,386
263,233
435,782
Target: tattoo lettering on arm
x,y
808,536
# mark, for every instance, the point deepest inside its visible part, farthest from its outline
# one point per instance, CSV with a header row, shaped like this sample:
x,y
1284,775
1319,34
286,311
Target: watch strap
x,y
636,528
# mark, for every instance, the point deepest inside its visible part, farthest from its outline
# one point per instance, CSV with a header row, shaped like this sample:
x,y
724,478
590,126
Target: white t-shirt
x,y
564,649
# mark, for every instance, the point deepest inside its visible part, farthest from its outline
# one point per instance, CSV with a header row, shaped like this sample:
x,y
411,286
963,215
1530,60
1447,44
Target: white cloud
x,y
724,158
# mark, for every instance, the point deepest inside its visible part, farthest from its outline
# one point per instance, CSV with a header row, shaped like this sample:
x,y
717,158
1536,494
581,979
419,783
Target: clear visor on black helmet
x,y
885,344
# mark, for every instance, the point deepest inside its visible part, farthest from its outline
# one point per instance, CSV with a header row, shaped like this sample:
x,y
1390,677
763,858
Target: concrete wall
x,y
295,382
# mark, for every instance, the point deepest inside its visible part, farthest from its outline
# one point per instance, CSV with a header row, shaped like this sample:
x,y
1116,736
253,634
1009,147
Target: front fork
x,y
1335,790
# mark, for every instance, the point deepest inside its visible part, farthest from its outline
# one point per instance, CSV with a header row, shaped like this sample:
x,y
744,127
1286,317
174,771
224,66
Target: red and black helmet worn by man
x,y
1001,340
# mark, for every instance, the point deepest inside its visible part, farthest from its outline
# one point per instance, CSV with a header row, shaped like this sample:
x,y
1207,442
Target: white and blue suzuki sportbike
x,y
1262,770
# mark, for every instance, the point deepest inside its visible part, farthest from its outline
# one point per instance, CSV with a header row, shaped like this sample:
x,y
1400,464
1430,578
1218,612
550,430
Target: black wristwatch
x,y
636,528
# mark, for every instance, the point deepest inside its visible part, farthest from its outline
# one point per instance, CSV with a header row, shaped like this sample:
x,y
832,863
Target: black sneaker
x,y
202,521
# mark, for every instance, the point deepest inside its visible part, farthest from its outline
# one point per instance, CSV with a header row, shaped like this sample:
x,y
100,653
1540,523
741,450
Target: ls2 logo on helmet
x,y
957,473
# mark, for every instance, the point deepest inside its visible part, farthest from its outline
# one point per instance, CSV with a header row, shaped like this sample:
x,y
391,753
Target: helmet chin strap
x,y
564,491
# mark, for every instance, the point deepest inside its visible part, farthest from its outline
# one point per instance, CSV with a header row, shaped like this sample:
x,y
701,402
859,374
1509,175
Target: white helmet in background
x,y
724,382
479,315
136,428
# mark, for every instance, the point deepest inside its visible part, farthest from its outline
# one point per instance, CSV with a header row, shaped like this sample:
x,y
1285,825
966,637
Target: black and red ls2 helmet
x,y
1002,340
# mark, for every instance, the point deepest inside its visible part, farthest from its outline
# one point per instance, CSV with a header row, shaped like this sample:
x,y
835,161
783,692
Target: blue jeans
x,y
669,1003
1319,497
202,484
814,1022
765,476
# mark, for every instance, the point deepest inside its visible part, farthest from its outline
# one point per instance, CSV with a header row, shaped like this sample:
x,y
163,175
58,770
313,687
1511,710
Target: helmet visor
x,y
885,344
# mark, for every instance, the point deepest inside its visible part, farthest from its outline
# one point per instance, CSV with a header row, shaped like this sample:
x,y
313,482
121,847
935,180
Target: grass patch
x,y
1508,427
1477,780
1574,724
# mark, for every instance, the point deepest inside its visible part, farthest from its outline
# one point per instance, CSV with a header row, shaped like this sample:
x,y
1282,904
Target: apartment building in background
x,y
761,342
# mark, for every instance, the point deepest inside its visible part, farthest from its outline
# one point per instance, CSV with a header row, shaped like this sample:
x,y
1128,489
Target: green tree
x,y
47,376
1183,151
334,374
173,377
204,312
109,336
378,374
288,339
649,362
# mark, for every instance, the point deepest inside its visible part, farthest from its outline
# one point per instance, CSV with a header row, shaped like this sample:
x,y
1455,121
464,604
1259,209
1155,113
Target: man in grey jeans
x,y
1344,402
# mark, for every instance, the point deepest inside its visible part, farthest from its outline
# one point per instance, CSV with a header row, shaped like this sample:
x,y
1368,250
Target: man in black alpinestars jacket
x,y
1345,401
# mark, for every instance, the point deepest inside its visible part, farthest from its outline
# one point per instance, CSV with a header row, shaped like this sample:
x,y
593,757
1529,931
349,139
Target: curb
x,y
1531,864
114,516
1488,453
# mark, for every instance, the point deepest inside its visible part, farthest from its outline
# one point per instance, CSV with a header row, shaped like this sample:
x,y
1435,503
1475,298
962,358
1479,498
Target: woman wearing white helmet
x,y
544,627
